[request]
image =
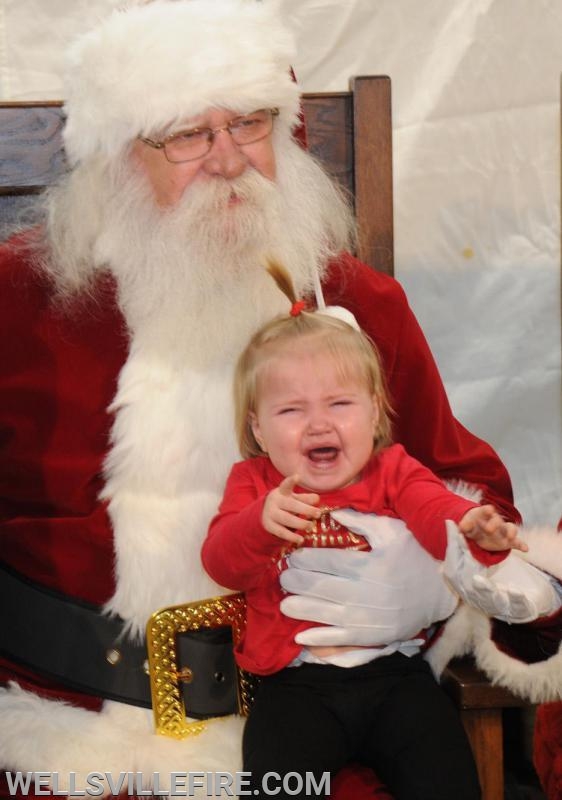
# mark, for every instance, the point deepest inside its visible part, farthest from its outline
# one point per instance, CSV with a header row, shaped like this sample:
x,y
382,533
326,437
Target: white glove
x,y
512,591
369,598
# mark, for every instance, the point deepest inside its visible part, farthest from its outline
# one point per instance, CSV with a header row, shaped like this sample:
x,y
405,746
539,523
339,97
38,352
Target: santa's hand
x,y
374,598
513,590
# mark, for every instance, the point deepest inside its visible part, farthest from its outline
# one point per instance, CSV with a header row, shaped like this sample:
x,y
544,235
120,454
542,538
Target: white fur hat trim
x,y
151,66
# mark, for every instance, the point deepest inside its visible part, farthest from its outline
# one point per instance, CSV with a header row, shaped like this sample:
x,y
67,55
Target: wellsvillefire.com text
x,y
173,784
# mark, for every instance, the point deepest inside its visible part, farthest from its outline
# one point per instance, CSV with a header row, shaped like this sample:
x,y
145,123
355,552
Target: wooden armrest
x,y
470,688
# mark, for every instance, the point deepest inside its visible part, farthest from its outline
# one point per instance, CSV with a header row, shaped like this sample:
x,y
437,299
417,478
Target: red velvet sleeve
x,y
423,421
421,500
238,550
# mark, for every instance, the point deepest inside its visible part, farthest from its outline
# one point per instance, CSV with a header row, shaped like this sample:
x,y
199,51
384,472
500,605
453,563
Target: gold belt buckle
x,y
166,675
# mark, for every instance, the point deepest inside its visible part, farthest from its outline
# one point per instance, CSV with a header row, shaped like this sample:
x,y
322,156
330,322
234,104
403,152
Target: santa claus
x,y
123,314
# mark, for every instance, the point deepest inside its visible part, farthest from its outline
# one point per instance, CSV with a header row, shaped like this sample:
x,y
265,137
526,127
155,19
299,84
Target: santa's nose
x,y
225,158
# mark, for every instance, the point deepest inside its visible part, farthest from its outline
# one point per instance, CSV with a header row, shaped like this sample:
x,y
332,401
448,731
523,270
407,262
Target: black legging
x,y
390,715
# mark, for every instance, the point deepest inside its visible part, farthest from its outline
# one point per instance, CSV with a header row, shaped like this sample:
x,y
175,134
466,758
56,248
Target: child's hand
x,y
284,511
484,525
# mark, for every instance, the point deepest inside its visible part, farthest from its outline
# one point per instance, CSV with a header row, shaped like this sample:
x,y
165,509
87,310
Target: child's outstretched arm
x,y
285,511
486,527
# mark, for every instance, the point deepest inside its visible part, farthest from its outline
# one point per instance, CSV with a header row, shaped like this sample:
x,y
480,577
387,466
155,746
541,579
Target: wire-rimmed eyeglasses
x,y
195,143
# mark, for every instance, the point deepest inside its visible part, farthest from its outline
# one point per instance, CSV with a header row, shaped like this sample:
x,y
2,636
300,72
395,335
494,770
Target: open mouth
x,y
323,455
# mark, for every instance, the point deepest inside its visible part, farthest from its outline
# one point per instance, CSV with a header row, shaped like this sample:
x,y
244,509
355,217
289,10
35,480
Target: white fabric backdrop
x,y
476,176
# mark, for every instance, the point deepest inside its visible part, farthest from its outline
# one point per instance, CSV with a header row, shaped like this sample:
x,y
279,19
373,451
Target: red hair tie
x,y
297,307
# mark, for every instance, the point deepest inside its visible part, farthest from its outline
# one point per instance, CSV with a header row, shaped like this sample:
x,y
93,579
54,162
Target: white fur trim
x,y
454,640
469,631
464,489
149,66
173,444
545,549
46,735
537,683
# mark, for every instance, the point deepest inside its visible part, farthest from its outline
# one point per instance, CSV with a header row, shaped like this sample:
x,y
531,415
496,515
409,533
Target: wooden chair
x,y
351,133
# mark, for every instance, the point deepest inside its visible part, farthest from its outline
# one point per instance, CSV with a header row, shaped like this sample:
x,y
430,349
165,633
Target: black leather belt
x,y
84,649
70,640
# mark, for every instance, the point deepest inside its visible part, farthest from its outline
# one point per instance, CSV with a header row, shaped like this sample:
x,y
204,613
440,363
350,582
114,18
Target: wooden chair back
x,y
31,155
349,132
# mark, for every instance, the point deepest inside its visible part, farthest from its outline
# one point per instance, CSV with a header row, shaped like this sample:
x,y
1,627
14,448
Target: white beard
x,y
192,290
192,278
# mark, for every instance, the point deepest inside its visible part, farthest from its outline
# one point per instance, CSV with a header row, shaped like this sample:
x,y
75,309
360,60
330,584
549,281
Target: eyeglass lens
x,y
193,144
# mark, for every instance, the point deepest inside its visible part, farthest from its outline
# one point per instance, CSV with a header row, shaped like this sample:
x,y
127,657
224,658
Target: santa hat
x,y
149,66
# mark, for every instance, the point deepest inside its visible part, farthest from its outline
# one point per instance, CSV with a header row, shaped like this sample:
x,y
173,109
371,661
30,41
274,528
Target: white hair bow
x,y
339,312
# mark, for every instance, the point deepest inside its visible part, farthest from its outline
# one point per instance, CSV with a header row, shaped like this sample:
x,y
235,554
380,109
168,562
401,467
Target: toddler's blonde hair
x,y
353,352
